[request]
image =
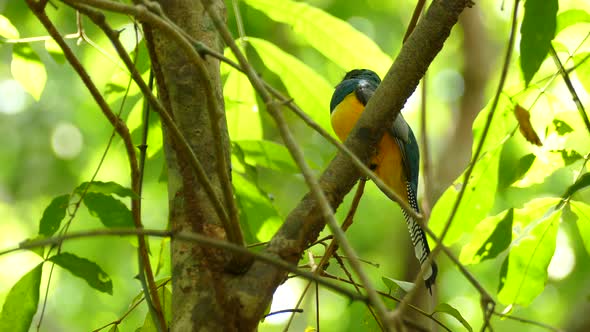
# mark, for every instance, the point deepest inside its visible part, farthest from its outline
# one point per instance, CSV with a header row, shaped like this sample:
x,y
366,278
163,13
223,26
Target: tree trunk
x,y
205,297
197,272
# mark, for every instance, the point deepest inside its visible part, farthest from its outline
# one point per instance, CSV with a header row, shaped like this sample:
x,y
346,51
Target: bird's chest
x,y
387,160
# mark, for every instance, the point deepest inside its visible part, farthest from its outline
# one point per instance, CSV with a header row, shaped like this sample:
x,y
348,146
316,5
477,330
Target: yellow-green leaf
x,y
21,302
26,67
571,17
7,30
309,89
537,30
334,38
490,237
448,309
582,211
480,193
533,244
243,119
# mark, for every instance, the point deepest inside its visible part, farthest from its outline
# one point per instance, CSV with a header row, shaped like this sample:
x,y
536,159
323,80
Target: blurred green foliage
x,y
524,247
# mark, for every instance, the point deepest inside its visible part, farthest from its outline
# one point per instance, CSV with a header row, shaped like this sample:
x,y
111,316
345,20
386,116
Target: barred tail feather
x,y
421,248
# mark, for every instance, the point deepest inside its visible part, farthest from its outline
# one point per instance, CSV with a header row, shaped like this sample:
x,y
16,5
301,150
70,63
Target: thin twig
x,y
283,311
393,298
415,16
288,102
239,22
570,87
297,155
486,299
216,118
134,305
123,132
425,155
487,126
190,237
331,249
346,224
142,14
144,133
528,321
358,289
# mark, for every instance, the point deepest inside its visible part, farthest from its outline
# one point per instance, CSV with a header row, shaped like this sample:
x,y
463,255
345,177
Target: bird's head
x,y
350,82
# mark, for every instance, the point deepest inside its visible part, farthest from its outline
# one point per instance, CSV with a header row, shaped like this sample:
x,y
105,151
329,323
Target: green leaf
x,y
561,127
309,89
243,117
7,30
110,211
517,173
21,302
490,237
477,200
581,183
393,284
534,237
85,269
163,252
106,188
112,88
53,215
537,32
448,309
26,67
55,51
135,116
155,140
480,193
334,38
569,156
571,17
582,211
267,154
503,273
258,216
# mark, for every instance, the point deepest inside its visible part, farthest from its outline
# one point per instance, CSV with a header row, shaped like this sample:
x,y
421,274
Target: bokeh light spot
x,y
12,97
564,260
448,85
285,297
66,140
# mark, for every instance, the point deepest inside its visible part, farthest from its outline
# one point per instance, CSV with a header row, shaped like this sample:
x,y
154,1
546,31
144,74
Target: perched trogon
x,y
397,158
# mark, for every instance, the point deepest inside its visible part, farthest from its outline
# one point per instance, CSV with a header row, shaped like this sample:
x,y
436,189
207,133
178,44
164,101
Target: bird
x,y
397,157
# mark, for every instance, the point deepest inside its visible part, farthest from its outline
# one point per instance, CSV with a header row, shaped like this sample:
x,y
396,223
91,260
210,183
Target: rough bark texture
x,y
254,290
205,298
197,272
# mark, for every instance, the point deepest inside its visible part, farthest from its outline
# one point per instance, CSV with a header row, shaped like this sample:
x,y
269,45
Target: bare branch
x,y
123,132
190,237
570,87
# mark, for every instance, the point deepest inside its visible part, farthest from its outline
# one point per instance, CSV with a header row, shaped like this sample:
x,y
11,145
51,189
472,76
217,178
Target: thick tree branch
x,y
305,221
323,205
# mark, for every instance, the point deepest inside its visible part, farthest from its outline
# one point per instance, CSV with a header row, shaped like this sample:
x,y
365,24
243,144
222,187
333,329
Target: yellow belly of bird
x,y
388,160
